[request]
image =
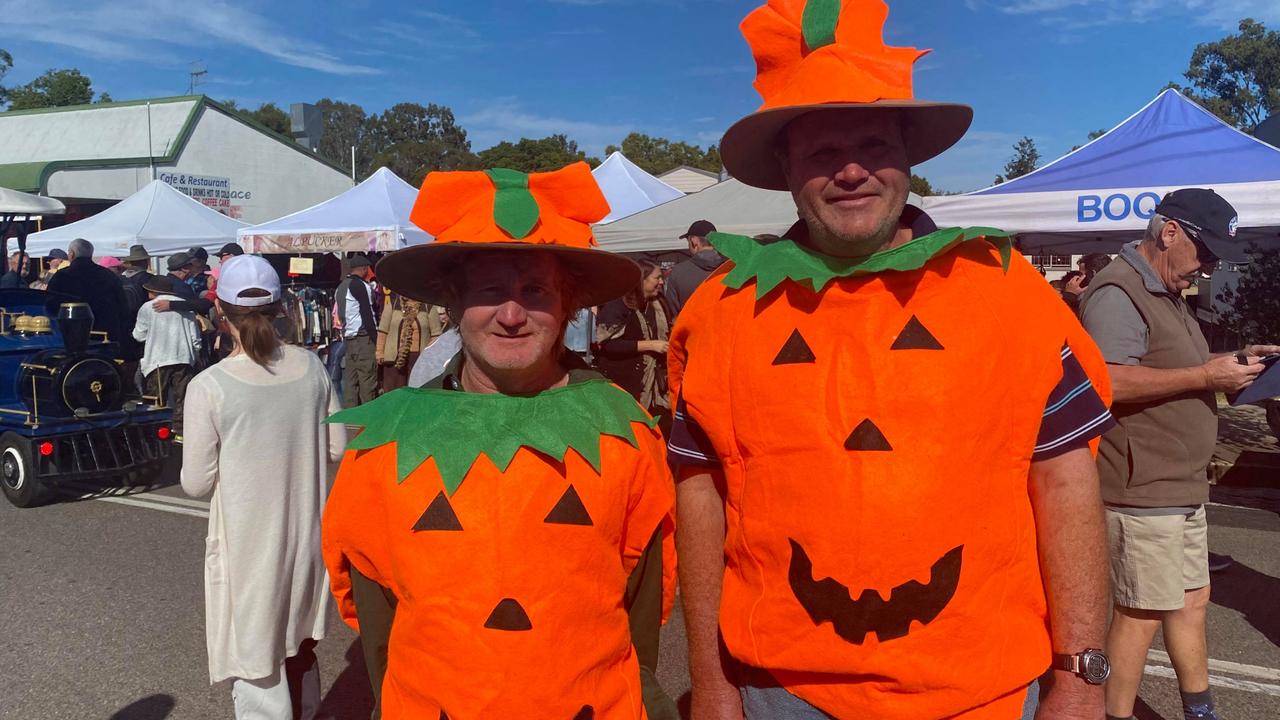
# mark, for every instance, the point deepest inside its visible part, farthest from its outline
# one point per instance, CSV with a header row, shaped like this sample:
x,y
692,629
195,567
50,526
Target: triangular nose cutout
x,y
795,351
508,615
439,515
867,438
915,336
569,510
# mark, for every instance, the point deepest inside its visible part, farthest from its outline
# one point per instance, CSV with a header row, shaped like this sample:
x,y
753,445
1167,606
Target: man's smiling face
x,y
849,176
512,310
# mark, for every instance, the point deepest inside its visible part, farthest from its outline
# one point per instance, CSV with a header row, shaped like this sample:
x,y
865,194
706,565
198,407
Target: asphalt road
x,y
102,616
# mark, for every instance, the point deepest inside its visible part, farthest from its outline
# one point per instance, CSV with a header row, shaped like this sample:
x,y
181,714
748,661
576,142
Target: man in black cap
x,y
56,258
228,251
688,275
359,329
181,268
199,277
1152,464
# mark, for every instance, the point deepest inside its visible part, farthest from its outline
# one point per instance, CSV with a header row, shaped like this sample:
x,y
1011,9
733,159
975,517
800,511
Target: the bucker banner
x,y
355,241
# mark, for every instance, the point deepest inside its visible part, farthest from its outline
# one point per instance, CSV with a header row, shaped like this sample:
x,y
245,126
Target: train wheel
x,y
17,476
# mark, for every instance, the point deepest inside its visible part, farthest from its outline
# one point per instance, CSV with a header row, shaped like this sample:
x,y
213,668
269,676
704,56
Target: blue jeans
x,y
775,703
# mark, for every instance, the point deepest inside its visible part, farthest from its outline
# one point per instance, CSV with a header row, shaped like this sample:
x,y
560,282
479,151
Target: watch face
x,y
1095,666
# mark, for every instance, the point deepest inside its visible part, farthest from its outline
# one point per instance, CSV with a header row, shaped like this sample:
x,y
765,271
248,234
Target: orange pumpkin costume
x,y
506,528
874,420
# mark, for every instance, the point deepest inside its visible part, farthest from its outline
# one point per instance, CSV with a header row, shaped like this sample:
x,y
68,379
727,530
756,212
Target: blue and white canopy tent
x,y
1102,195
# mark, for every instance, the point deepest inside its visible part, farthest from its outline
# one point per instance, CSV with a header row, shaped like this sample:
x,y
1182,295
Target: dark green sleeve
x,y
376,610
644,607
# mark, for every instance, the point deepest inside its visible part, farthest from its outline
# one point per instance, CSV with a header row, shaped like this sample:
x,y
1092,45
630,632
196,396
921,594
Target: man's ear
x,y
1168,234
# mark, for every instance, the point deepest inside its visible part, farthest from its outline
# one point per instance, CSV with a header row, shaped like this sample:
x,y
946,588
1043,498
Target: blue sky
x,y
598,69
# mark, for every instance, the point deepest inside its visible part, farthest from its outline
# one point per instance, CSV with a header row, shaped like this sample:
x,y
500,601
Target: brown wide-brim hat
x,y
749,149
158,284
426,272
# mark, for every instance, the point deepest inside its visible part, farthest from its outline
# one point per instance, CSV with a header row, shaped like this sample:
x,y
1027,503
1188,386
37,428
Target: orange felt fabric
x,y
458,207
569,579
962,422
857,67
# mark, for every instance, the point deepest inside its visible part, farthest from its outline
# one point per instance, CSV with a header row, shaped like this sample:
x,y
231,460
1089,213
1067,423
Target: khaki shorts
x,y
1155,559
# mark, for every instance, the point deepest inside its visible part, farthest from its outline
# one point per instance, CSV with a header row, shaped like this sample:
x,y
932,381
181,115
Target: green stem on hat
x,y
514,208
769,264
819,23
456,428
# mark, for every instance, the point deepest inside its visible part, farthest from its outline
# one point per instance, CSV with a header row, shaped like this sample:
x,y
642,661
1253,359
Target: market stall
x,y
1102,195
157,216
630,189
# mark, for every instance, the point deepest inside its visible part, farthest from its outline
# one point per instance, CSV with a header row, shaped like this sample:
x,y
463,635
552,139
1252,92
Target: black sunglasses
x,y
1203,253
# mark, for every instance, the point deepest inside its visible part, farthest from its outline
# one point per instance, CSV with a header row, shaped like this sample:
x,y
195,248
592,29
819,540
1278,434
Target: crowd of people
x,y
910,480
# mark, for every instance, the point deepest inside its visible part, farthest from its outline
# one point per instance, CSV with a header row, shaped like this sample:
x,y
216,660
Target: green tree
x,y
6,64
346,125
1026,158
270,115
1238,77
412,140
657,155
548,153
921,186
1253,308
55,88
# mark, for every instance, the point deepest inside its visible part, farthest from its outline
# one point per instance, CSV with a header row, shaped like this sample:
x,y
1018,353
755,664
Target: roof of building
x,y
36,143
690,168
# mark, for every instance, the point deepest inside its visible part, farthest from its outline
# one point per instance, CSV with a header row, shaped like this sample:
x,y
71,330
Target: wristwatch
x,y
1092,665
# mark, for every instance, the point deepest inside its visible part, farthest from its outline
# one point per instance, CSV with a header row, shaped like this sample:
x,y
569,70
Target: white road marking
x,y
1222,682
1226,666
163,507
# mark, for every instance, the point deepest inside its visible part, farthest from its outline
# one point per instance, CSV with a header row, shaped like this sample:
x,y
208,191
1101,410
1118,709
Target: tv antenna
x,y
197,75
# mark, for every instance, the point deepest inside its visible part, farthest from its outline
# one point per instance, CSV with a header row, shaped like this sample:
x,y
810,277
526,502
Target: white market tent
x,y
372,216
1103,194
14,202
157,216
731,206
629,189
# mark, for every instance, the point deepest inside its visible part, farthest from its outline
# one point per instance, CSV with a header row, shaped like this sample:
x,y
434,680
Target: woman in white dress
x,y
253,436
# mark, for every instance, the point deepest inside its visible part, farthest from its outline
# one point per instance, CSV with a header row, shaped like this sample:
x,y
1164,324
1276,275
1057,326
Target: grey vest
x,y
1157,454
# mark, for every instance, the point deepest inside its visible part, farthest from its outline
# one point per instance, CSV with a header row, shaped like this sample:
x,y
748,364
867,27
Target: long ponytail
x,y
256,328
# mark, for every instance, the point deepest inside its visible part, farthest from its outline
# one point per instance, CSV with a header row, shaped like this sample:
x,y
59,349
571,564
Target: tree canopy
x,y
1238,77
55,88
268,114
6,64
1254,306
528,155
658,155
921,186
1026,158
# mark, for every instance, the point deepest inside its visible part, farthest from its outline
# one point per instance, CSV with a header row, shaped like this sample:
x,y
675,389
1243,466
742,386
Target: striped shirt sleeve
x,y
689,444
1074,414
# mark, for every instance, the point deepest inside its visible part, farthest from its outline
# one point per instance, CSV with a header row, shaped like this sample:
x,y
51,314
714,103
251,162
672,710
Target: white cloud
x,y
1081,14
505,119
157,30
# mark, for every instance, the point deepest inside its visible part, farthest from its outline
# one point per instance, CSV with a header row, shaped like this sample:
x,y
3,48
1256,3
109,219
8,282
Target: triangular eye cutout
x,y
444,715
439,515
508,615
916,337
795,351
569,510
586,713
868,438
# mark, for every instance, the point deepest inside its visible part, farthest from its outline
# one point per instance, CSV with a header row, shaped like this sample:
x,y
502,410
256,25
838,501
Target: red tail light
x,y
164,433
46,448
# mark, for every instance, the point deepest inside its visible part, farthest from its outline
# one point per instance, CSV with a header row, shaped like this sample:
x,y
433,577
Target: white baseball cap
x,y
248,272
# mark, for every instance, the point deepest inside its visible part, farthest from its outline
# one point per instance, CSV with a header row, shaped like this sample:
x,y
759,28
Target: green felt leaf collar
x,y
514,208
454,428
770,263
818,24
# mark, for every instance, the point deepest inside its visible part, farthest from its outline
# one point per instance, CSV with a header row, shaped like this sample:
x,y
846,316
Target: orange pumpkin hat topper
x,y
830,54
510,211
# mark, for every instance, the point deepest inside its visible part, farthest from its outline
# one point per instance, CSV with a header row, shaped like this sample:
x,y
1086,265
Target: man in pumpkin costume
x,y
503,538
889,507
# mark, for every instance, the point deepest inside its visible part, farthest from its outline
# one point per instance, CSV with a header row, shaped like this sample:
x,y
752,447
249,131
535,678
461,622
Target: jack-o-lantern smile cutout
x,y
828,600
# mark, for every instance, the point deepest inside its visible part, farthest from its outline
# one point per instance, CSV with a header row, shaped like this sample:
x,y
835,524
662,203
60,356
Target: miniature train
x,y
66,415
